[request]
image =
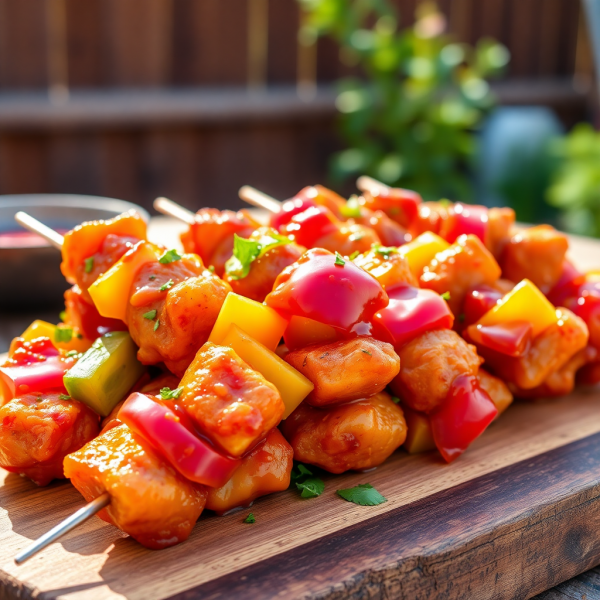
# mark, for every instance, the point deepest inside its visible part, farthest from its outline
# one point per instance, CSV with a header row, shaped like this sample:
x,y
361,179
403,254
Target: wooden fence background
x,y
159,102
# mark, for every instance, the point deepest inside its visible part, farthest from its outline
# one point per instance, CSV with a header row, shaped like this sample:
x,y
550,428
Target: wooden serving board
x,y
514,516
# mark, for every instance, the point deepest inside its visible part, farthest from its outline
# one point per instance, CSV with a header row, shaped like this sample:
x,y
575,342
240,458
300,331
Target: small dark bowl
x,y
30,273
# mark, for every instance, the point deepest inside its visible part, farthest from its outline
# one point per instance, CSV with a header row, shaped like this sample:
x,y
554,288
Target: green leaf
x,y
63,334
354,255
385,251
299,471
167,286
364,494
168,257
339,260
63,315
250,518
246,251
150,315
156,324
169,394
64,397
446,296
311,487
89,264
395,400
72,353
352,209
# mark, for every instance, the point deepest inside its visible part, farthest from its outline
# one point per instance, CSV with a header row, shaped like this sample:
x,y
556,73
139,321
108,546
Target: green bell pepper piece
x,y
102,377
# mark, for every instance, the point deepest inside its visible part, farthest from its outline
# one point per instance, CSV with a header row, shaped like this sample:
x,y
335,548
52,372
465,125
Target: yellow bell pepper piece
x,y
419,437
44,329
257,320
421,251
302,332
110,292
36,330
526,303
292,385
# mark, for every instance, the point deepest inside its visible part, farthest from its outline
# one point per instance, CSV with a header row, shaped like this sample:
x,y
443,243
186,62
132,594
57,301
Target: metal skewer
x,y
367,184
35,226
259,199
172,209
83,514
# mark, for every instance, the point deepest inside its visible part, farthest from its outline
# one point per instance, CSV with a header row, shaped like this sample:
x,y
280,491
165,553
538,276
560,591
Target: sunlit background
x,y
466,99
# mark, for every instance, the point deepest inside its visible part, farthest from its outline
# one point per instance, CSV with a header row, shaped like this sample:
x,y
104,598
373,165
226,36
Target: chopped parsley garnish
x,y
367,352
250,518
169,394
311,487
64,397
351,210
354,255
211,268
150,315
395,400
168,257
364,494
246,251
89,264
63,335
385,251
152,277
167,286
63,315
446,296
156,324
300,471
339,260
72,353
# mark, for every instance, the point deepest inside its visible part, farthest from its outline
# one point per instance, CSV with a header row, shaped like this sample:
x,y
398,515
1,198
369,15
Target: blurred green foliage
x,y
411,120
575,187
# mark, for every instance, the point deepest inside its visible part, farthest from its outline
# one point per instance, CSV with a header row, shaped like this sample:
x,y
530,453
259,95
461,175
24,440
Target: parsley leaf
x,y
395,400
63,315
311,487
156,324
63,334
354,255
250,518
446,296
150,315
211,268
72,353
64,397
385,251
169,394
339,260
152,277
246,251
167,286
351,210
89,264
367,352
299,471
168,257
364,494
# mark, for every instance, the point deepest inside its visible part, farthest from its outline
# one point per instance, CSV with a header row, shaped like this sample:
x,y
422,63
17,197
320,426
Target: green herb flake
x,y
446,296
354,255
246,251
63,335
367,352
72,353
395,400
150,315
168,257
211,268
89,264
250,518
152,277
300,471
351,210
63,315
156,324
385,251
169,394
311,487
167,286
64,397
364,494
339,260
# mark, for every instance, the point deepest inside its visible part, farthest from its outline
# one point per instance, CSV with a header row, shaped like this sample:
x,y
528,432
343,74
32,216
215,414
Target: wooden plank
x,y
24,165
526,518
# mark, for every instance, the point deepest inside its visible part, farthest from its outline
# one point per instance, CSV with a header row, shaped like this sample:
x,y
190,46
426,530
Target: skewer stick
x,y
259,199
367,184
35,226
83,514
172,209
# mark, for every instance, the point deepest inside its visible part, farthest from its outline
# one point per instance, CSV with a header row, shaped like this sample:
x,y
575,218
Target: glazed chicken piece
x,y
548,353
496,389
388,266
38,430
430,217
265,470
388,231
211,237
348,238
233,405
428,366
265,269
466,264
93,247
390,201
500,222
346,370
536,254
149,500
355,436
186,310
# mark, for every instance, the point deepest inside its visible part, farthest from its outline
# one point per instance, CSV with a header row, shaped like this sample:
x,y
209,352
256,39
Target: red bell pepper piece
x,y
329,290
512,339
465,219
567,286
399,204
41,376
411,312
478,301
290,208
311,225
191,456
464,416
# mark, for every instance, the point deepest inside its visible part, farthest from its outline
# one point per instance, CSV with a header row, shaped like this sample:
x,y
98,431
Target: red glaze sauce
x,y
309,226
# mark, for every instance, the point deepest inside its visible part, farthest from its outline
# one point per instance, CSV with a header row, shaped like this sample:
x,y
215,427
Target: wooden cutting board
x,y
516,515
